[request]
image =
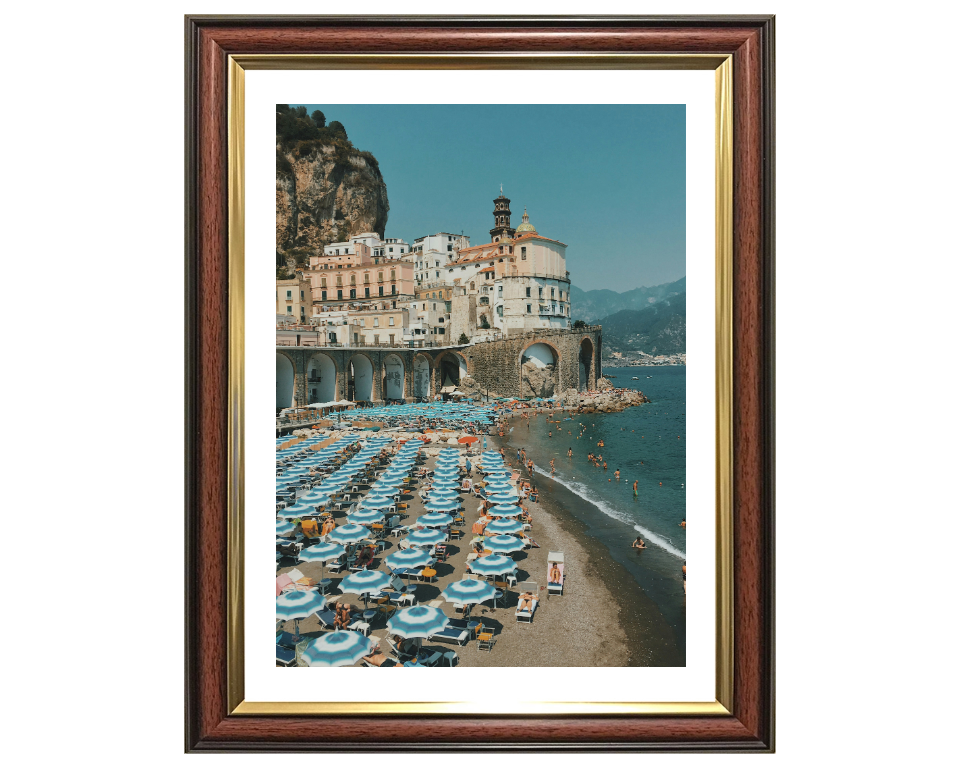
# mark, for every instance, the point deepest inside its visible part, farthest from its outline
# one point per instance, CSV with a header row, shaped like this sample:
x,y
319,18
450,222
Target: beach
x,y
555,637
624,600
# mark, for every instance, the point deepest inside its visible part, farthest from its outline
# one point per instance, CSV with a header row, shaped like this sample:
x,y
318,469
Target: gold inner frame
x,y
723,68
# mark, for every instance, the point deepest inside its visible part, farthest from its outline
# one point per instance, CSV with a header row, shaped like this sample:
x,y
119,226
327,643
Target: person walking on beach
x,y
530,467
518,454
553,469
523,456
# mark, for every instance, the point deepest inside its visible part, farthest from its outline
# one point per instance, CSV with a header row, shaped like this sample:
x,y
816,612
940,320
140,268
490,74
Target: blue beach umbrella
x,y
502,544
469,591
408,558
504,510
365,582
285,528
365,517
321,553
420,621
350,533
493,565
426,537
315,498
442,505
298,509
435,520
377,502
502,498
504,526
299,605
337,649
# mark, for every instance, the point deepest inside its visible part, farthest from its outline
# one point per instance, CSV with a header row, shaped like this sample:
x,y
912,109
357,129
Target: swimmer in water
x,y
639,544
683,523
604,466
550,435
634,489
617,474
569,453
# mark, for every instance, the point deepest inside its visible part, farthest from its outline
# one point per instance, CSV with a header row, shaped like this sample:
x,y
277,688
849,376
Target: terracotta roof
x,y
487,269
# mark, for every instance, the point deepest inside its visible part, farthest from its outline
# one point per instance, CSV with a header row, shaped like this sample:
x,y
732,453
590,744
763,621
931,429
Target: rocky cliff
x,y
326,192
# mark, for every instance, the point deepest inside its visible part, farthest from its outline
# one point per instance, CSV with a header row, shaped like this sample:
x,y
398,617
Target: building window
x,y
339,294
381,290
561,295
353,293
362,322
393,289
393,274
323,282
301,294
323,295
289,310
353,279
391,250
366,292
540,292
366,277
376,322
376,336
529,308
391,320
380,277
528,296
449,248
552,292
499,290
289,294
523,252
339,280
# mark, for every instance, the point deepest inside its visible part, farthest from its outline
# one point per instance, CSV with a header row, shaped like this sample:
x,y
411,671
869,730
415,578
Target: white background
x,y
866,414
696,681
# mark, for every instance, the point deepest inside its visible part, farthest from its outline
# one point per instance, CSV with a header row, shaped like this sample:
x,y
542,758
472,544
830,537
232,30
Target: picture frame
x,y
740,49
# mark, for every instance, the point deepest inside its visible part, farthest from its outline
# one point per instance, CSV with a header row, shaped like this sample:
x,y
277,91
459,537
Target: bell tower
x,y
501,219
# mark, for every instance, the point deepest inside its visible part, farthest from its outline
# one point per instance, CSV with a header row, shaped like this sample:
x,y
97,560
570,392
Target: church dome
x,y
525,225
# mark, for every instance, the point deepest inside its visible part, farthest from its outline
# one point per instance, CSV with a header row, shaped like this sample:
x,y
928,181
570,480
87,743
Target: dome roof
x,y
525,225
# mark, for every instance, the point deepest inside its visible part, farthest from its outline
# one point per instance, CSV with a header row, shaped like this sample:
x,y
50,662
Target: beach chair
x,y
527,615
486,638
392,647
457,630
555,585
284,583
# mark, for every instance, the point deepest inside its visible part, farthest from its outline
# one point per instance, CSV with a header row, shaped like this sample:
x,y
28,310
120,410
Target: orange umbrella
x,y
468,439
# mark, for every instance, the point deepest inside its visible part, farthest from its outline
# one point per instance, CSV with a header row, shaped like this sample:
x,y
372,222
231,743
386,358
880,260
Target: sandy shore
x,y
588,607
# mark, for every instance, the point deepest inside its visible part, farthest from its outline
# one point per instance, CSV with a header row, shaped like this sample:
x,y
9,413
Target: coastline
x,y
654,635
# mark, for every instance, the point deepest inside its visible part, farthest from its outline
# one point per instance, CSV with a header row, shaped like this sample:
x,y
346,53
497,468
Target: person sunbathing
x,y
525,602
342,615
555,575
376,657
328,526
365,557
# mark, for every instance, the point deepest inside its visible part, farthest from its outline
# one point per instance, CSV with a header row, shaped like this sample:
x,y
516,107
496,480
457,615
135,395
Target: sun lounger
x,y
286,657
326,617
554,587
458,630
527,615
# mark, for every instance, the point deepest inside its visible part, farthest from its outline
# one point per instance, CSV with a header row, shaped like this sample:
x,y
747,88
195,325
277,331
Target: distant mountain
x,y
660,329
593,305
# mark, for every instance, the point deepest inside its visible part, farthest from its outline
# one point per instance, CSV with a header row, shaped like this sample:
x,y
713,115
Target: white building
x,y
389,248
516,284
432,253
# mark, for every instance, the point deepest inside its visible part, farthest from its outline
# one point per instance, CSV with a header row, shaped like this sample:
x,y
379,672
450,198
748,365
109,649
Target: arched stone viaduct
x,y
376,374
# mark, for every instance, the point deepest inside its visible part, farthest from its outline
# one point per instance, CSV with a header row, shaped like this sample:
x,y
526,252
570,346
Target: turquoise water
x,y
648,445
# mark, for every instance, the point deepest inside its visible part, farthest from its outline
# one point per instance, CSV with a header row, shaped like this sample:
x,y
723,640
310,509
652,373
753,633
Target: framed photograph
x,y
494,241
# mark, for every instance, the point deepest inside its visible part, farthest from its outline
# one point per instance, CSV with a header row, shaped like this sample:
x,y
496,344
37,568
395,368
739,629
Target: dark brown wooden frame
x,y
209,40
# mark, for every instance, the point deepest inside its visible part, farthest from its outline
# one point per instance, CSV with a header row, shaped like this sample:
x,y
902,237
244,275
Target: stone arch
x,y
422,370
393,377
285,381
539,370
451,367
321,378
360,378
587,369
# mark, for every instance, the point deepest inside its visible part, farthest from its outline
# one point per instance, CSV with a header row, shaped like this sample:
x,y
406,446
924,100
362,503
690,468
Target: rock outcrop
x,y
536,381
326,193
609,401
603,384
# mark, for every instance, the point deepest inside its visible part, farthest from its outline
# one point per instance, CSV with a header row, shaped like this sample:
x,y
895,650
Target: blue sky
x,y
607,180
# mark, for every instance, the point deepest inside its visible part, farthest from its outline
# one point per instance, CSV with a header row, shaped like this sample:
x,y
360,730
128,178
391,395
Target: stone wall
x,y
493,365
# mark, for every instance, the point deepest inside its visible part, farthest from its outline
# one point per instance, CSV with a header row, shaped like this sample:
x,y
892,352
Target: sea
x,y
648,445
